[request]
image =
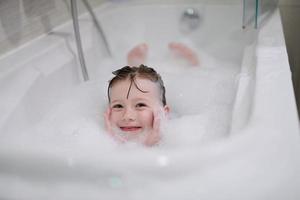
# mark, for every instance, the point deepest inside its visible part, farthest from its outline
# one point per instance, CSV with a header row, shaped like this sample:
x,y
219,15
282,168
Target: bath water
x,y
200,97
71,139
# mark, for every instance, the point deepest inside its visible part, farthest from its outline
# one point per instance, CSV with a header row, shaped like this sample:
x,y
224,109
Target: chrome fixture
x,y
78,38
98,27
190,20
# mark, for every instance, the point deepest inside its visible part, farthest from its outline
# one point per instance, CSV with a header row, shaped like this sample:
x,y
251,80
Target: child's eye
x,y
141,105
117,106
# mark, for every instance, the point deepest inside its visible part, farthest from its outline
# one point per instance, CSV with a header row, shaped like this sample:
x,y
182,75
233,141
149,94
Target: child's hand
x,y
107,123
109,127
154,136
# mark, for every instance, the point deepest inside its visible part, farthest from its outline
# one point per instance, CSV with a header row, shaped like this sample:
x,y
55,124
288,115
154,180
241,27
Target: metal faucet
x,y
190,20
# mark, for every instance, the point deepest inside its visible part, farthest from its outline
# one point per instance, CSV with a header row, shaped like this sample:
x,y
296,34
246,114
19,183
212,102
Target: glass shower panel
x,y
255,10
250,12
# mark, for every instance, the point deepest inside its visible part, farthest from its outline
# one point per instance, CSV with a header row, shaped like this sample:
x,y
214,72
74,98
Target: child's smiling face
x,y
132,110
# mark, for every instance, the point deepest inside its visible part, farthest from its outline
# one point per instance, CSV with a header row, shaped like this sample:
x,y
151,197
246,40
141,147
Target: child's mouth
x,y
130,128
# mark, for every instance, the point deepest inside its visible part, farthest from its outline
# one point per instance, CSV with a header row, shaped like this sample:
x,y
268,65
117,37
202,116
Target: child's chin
x,y
137,136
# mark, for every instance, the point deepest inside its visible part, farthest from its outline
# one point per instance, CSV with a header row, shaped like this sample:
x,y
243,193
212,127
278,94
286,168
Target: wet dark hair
x,y
142,72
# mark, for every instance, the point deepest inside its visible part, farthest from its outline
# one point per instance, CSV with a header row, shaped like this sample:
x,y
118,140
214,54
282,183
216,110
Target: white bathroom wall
x,y
289,2
24,20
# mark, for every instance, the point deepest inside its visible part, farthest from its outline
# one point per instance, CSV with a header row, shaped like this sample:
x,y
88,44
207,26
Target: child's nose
x,y
129,114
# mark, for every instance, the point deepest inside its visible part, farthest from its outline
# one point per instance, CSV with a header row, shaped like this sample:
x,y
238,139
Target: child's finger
x,y
106,115
154,135
156,121
109,127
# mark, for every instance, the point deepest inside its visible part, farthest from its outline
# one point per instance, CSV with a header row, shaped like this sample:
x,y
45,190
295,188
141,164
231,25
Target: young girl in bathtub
x,y
137,105
136,96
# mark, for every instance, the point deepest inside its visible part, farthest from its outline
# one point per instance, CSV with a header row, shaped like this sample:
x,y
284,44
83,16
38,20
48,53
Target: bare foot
x,y
181,50
137,55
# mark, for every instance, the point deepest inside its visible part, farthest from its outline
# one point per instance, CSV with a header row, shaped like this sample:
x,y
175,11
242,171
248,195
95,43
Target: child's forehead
x,y
139,86
142,83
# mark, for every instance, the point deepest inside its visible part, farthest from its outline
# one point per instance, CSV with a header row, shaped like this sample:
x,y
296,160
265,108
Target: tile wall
x,y
24,20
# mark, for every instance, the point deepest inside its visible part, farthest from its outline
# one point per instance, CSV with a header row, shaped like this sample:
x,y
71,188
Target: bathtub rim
x,y
262,114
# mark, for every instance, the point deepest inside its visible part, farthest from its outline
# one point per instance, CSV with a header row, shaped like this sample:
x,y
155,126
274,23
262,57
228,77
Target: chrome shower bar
x,y
98,27
78,40
74,11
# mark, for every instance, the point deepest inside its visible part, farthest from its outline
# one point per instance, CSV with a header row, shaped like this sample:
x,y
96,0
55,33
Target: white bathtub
x,y
255,155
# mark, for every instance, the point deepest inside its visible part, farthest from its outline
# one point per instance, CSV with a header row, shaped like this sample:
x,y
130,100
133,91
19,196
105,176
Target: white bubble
x,y
162,160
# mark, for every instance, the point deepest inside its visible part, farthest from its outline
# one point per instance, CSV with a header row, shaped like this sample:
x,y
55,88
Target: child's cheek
x,y
146,118
114,119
